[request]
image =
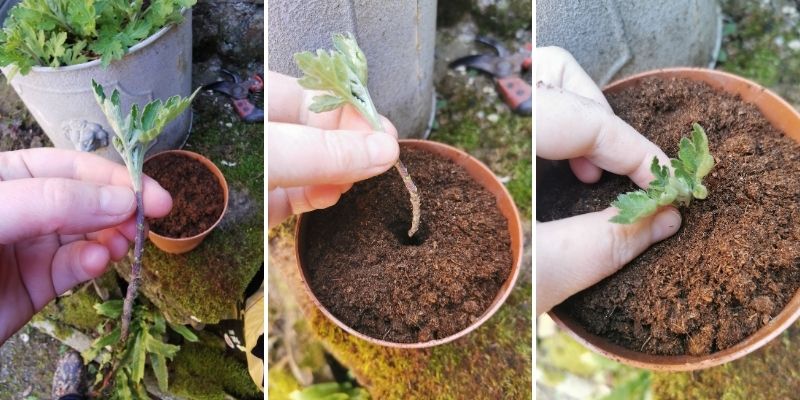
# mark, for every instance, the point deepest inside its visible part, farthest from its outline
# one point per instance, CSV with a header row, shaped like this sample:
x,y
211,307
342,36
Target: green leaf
x,y
633,206
122,386
355,58
159,364
135,354
110,309
694,162
99,344
184,331
156,346
326,103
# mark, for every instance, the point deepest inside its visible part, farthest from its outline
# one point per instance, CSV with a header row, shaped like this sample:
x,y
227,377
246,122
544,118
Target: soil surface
x,y
371,276
197,198
735,262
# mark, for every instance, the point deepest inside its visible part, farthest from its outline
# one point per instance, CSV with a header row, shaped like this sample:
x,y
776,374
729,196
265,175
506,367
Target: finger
x,y
78,262
598,135
575,253
557,67
40,206
295,101
116,243
584,170
301,155
59,163
297,200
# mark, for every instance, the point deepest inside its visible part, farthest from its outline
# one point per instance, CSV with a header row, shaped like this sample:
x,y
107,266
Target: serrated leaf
x,y
354,57
633,206
326,103
135,354
184,331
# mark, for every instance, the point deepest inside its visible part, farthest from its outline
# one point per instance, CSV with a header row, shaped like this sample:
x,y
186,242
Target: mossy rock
x,y
490,363
207,284
203,372
773,372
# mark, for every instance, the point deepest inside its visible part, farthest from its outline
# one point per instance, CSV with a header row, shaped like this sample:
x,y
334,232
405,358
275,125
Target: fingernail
x,y
665,224
382,148
116,200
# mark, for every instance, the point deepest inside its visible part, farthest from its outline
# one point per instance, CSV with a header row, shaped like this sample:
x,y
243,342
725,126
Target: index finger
x,y
570,126
69,164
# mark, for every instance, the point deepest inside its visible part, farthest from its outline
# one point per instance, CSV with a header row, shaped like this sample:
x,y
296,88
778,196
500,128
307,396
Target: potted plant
x,y
727,282
51,50
199,197
403,273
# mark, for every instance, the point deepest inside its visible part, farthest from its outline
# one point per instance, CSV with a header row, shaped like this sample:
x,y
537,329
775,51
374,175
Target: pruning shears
x,y
506,69
243,94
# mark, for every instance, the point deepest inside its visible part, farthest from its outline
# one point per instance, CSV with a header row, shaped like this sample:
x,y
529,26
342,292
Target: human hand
x,y
315,157
575,122
65,215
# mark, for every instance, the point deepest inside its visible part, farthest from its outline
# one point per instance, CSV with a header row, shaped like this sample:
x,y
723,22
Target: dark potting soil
x,y
368,273
735,262
197,198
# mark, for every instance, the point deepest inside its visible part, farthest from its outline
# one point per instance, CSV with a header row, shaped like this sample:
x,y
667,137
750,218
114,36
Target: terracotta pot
x,y
783,117
183,245
505,203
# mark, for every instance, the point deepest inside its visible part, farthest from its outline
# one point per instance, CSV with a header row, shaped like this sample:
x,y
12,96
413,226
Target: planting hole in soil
x,y
197,196
366,271
733,265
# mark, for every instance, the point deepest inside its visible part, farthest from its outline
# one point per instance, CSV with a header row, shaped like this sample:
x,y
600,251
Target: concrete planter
x,y
612,39
397,37
62,102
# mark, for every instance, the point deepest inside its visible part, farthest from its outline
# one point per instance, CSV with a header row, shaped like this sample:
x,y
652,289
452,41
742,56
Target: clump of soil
x,y
735,262
367,272
197,198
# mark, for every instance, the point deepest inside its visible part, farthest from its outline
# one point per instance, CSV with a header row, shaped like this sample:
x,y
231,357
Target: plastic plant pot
x,y
784,118
185,244
483,176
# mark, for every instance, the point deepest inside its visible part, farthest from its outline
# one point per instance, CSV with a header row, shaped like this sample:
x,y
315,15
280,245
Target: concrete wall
x,y
616,38
397,37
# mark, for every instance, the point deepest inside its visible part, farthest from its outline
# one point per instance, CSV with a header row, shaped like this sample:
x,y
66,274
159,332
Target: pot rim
x,y
93,63
728,83
496,303
222,183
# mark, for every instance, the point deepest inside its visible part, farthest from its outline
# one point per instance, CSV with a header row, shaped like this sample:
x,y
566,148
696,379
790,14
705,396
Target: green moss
x,y
76,311
480,124
503,18
209,281
755,43
770,373
499,352
281,383
205,373
284,230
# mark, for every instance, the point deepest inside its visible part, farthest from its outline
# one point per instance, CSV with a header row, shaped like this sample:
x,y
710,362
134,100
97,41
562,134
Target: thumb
x,y
300,155
575,253
39,206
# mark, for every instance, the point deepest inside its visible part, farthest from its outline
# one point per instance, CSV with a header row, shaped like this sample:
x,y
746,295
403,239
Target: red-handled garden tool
x,y
242,94
505,68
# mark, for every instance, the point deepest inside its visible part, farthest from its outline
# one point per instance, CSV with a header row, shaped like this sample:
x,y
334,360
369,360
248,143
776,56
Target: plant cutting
x,y
49,49
133,137
343,73
727,282
372,275
678,186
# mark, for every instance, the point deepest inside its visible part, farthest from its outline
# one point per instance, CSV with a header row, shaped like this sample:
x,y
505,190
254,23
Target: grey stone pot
x,y
616,38
62,102
398,38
